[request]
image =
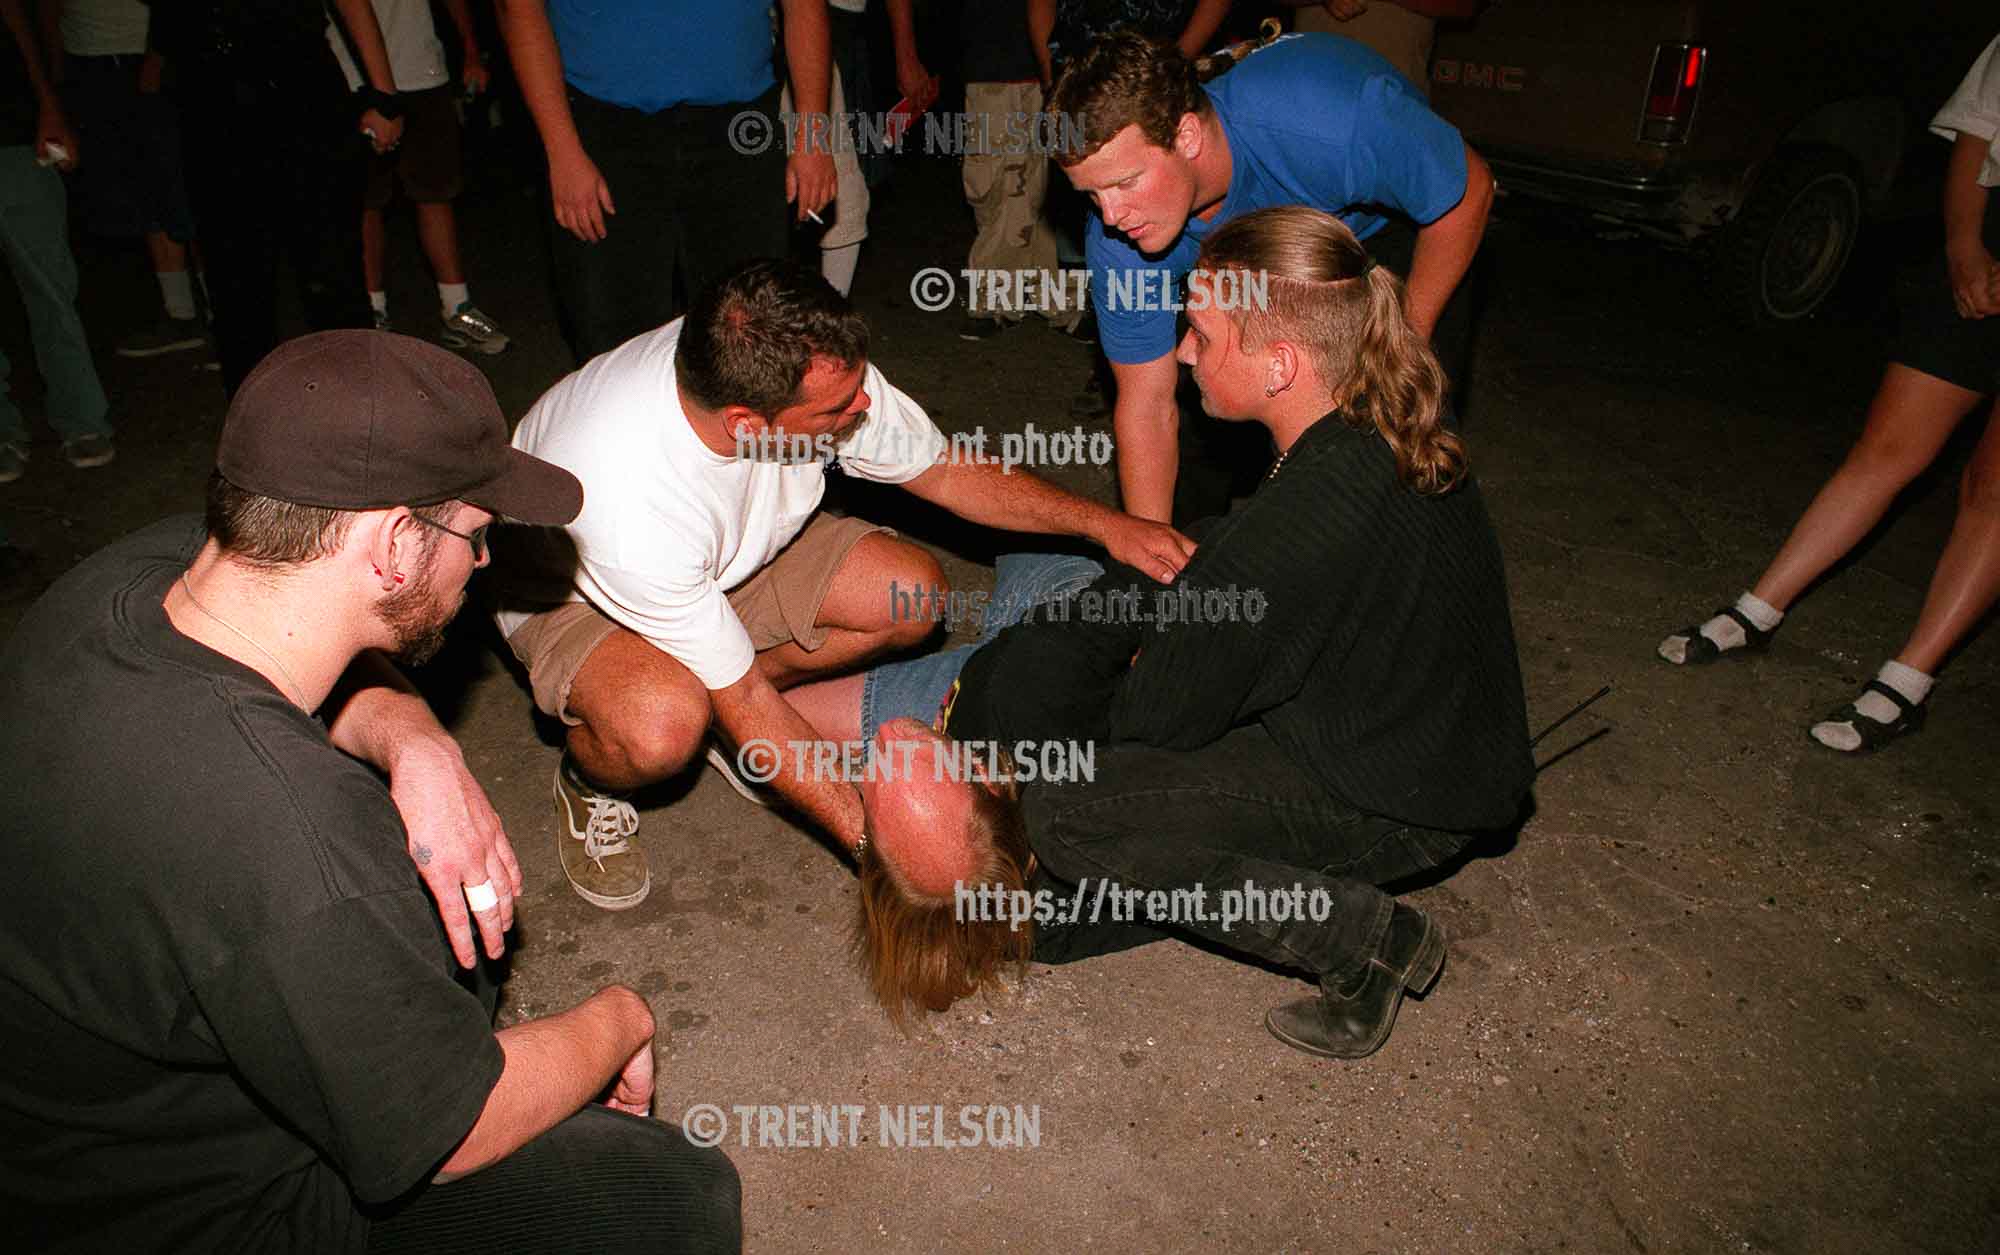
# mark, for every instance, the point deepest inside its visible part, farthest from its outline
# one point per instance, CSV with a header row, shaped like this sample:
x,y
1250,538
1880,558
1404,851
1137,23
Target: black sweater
x,y
1383,664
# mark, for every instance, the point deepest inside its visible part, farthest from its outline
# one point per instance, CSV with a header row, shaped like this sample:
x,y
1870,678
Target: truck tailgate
x,y
1560,80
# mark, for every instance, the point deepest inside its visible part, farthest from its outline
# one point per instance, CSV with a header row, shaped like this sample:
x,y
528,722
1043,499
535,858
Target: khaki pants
x,y
779,603
1006,190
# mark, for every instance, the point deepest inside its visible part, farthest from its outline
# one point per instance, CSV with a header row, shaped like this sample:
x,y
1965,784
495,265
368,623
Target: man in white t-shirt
x,y
699,581
427,163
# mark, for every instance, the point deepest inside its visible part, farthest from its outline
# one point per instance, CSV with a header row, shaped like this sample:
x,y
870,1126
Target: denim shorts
x,y
916,689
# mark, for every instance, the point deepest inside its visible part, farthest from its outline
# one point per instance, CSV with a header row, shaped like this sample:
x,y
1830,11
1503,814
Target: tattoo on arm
x,y
423,856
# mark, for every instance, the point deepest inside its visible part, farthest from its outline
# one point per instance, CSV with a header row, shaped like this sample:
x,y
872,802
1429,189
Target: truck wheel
x,y
1780,257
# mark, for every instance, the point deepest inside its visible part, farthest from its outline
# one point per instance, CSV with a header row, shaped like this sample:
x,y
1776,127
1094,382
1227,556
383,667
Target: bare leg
x,y
645,716
832,707
374,244
861,612
1968,573
168,254
437,230
1908,422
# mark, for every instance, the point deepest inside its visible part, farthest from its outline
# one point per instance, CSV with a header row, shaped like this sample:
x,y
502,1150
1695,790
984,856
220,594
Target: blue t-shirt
x,y
1311,120
650,55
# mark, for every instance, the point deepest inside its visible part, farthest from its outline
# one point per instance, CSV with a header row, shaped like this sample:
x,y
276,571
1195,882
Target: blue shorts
x,y
916,689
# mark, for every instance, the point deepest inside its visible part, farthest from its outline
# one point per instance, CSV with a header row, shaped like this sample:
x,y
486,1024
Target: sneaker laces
x,y
611,821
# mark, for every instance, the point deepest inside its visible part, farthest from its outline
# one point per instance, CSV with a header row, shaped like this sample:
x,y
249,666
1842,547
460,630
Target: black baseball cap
x,y
366,420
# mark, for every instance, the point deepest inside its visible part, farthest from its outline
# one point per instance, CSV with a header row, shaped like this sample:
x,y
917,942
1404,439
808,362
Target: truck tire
x,y
1780,257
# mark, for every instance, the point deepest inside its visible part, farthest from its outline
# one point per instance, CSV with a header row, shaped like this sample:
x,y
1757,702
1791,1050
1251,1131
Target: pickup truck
x,y
1758,131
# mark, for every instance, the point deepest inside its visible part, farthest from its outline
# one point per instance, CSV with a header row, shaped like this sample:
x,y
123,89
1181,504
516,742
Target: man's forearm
x,y
752,710
358,16
14,14
1014,500
902,31
468,38
554,1066
531,46
1201,26
809,54
1964,198
1041,25
1149,457
52,42
1445,249
375,714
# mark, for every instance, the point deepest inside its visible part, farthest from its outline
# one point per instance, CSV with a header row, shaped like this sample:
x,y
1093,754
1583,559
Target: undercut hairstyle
x,y
750,338
1125,79
1322,292
916,952
262,531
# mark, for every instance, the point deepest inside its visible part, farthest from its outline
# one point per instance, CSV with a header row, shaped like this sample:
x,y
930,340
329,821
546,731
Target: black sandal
x,y
1701,651
1873,732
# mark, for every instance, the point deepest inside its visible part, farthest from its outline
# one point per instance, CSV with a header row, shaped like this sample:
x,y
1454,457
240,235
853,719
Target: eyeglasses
x,y
476,537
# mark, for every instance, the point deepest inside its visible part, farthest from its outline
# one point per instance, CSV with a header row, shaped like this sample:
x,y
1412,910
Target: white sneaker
x,y
470,328
725,766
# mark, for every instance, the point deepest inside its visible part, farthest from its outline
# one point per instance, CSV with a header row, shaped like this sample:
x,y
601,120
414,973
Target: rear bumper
x,y
1655,197
1673,199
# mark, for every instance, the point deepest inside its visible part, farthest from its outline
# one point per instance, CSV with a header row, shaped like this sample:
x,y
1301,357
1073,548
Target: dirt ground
x,y
1725,989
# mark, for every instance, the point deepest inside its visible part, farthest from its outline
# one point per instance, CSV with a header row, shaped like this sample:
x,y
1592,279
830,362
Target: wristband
x,y
388,104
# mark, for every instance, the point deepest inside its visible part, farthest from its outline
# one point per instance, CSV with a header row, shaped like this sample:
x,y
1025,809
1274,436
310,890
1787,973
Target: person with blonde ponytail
x,y
1170,149
1327,699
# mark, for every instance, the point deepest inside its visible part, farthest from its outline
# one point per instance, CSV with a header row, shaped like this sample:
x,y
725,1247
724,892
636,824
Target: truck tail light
x,y
1670,97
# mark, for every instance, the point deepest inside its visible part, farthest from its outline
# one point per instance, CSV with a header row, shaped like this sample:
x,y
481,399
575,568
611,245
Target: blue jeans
x,y
34,236
916,689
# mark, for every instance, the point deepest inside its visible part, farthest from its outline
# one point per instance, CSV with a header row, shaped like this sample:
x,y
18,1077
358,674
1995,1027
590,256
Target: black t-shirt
x,y
229,1007
995,39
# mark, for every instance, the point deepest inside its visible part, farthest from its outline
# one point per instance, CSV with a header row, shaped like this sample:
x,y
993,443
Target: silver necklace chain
x,y
297,688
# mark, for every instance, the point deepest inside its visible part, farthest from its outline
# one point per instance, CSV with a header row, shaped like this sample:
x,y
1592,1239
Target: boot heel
x,y
1429,962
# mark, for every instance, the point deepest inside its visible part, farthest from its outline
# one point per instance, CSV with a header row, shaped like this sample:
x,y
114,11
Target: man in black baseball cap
x,y
234,1017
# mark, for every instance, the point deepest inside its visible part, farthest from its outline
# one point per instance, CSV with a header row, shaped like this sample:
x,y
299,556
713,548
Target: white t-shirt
x,y
416,58
669,526
102,28
1974,109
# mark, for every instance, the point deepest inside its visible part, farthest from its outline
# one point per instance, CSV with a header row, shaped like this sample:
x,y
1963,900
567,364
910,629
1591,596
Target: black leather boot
x,y
1352,1023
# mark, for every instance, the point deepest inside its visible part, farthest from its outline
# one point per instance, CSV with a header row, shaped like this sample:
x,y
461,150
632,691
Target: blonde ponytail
x,y
1323,292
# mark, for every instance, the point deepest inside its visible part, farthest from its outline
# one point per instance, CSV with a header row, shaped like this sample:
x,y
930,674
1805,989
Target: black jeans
x,y
1232,814
275,162
601,1181
690,207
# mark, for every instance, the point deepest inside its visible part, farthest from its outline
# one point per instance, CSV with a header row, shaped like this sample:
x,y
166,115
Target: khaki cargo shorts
x,y
779,603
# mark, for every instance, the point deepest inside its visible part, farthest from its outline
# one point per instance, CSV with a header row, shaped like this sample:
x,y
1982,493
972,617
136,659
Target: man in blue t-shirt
x,y
667,155
1309,119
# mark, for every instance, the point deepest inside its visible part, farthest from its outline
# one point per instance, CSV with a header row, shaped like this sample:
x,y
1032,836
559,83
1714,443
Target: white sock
x,y
177,292
379,302
1913,684
454,296
837,265
1725,632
